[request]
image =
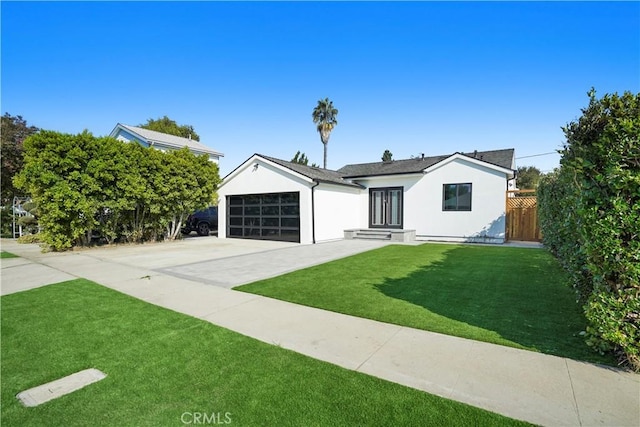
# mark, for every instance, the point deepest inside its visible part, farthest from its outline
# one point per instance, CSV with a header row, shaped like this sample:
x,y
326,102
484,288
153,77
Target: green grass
x,y
161,364
510,296
5,254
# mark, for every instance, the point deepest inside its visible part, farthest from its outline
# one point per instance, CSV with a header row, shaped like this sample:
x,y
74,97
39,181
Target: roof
x,y
316,174
178,142
498,158
501,158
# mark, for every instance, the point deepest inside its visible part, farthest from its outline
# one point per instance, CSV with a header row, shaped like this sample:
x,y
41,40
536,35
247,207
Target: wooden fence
x,y
522,216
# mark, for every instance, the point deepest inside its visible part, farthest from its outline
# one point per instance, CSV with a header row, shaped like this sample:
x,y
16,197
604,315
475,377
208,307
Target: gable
x,y
299,171
472,161
258,175
161,141
124,136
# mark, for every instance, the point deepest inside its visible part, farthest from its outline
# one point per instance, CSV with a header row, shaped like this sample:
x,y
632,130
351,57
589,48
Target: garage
x,y
268,216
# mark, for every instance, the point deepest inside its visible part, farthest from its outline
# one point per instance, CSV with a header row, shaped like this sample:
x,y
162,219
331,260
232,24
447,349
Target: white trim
x,y
478,162
251,161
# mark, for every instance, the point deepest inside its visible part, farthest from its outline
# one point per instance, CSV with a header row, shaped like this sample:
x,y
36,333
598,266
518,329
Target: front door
x,y
385,207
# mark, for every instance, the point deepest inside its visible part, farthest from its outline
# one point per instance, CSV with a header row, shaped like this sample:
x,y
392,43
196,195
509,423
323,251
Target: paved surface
x,y
538,388
232,271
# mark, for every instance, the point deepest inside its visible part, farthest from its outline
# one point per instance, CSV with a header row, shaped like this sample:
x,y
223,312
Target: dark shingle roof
x,y
502,158
316,174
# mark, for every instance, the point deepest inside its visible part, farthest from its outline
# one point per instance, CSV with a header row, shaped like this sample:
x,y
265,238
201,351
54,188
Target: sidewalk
x,y
534,387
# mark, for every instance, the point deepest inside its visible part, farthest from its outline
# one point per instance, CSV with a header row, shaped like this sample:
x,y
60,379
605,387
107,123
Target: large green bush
x,y
86,186
590,218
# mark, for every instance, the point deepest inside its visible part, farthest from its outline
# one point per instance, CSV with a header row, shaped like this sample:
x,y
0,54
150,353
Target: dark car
x,y
202,221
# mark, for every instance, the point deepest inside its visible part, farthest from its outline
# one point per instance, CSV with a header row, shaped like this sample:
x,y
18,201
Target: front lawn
x,y
166,368
5,254
510,296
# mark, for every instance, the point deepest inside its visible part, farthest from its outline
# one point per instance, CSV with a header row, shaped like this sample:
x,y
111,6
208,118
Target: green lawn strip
x,y
5,254
161,365
516,297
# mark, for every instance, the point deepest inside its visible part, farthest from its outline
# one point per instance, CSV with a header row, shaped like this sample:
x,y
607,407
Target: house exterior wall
x,y
423,203
266,178
337,208
407,182
485,222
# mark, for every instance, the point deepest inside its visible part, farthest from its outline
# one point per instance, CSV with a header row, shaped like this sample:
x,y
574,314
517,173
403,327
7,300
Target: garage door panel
x,y
272,216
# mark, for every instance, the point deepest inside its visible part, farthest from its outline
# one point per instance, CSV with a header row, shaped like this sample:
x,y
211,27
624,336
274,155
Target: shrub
x,y
86,186
590,218
30,238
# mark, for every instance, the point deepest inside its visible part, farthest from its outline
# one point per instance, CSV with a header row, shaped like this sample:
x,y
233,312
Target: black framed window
x,y
456,197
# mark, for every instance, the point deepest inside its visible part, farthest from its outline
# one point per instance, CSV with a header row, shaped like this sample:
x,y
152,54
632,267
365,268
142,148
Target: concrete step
x,y
372,237
395,235
373,234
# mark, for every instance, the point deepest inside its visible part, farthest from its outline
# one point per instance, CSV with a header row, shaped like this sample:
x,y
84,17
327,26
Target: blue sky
x,y
415,77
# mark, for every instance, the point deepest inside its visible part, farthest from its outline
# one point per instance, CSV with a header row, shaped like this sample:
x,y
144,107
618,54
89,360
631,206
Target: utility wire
x,y
537,155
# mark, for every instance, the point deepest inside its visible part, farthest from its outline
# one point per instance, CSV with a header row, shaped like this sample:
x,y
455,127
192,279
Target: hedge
x,y
590,219
86,186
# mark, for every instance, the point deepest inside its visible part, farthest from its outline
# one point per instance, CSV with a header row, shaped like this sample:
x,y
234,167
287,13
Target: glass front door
x,y
385,207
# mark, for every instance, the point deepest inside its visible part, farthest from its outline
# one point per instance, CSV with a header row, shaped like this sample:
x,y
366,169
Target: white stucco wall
x,y
405,181
485,221
423,203
266,178
338,208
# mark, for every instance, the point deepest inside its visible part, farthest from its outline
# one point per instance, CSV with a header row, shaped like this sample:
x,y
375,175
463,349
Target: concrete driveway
x,y
209,260
272,260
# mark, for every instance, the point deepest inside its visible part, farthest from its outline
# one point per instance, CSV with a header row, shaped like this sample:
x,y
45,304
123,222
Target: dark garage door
x,y
274,216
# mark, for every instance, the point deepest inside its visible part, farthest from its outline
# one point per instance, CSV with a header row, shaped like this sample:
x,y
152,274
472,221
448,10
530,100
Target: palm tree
x,y
324,115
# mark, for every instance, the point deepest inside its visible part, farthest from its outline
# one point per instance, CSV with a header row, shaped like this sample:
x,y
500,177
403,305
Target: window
x,y
456,197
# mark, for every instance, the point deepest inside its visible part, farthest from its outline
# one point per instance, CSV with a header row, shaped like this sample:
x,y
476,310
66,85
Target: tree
x,y
190,184
54,176
528,177
14,131
302,159
325,117
166,125
387,156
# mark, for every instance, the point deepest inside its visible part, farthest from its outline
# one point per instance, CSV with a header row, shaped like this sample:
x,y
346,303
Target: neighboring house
x,y
162,141
457,197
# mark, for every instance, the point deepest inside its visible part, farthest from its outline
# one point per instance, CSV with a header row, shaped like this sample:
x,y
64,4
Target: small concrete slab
x,y
43,393
24,276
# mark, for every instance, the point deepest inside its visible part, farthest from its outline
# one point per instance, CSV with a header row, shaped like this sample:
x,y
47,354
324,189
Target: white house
x,y
162,141
456,197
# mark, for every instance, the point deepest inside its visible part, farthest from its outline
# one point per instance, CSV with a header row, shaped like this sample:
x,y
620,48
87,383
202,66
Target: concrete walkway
x,y
538,388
